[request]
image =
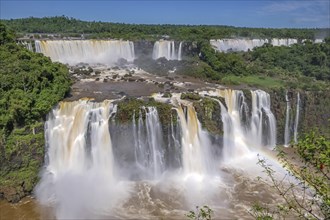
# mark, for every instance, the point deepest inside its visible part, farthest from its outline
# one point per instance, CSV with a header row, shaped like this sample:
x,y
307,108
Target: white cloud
x,y
314,12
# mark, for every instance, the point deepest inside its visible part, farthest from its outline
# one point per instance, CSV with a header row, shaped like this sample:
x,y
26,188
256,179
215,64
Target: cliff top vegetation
x,y
96,29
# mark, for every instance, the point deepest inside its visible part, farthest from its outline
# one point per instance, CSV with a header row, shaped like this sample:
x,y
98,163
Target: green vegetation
x,y
190,96
66,26
309,196
30,85
203,213
253,80
208,112
305,66
131,107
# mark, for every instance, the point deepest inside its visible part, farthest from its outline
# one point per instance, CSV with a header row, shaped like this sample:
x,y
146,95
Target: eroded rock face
x,y
314,112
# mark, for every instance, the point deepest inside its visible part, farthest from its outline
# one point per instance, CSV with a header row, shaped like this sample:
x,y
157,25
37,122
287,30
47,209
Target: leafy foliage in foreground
x,y
30,85
308,196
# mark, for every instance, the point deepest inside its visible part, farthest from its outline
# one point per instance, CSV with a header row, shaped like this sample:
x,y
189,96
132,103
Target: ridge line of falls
x,y
166,49
295,131
106,52
287,120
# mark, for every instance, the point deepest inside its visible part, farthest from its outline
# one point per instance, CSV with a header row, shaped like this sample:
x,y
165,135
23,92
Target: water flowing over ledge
x,y
227,45
167,50
85,146
72,52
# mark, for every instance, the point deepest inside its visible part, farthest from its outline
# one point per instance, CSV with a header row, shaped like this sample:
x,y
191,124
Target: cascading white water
x,y
265,127
226,45
234,132
97,168
27,45
295,131
283,41
79,155
166,49
149,151
106,52
287,120
192,153
66,132
242,131
180,51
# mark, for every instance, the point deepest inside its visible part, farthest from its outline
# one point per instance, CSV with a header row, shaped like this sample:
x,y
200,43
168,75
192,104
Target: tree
x,y
309,196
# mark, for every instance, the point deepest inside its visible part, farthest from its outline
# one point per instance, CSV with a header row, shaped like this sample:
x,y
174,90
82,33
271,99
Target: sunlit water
x,y
98,169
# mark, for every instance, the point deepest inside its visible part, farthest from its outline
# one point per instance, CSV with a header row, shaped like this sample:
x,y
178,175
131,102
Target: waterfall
x,y
106,52
27,45
166,49
180,51
66,132
234,136
148,137
295,132
244,131
192,142
265,126
97,166
287,119
227,45
283,41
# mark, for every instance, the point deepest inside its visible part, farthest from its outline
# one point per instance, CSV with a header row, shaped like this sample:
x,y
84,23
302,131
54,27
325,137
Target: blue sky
x,y
257,13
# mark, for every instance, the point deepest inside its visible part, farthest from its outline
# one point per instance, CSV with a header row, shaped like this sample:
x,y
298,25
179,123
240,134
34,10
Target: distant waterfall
x,y
295,131
283,42
167,50
227,45
72,52
26,44
287,121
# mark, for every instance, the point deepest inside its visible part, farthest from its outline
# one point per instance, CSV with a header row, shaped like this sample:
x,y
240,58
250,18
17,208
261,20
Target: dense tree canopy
x,y
301,65
30,84
70,26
